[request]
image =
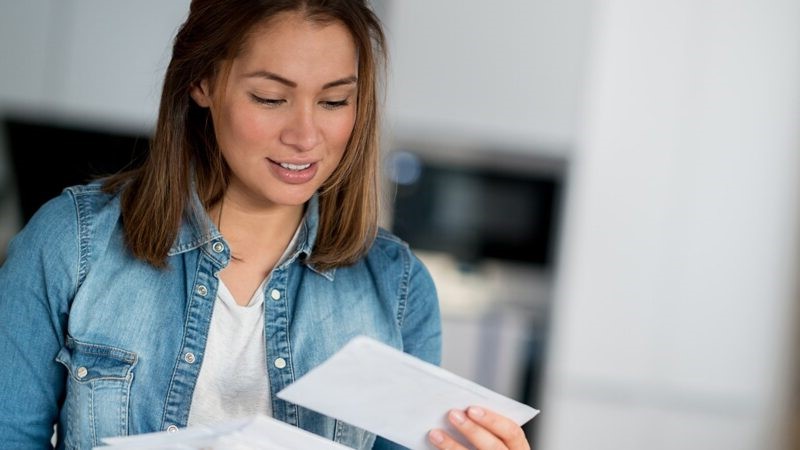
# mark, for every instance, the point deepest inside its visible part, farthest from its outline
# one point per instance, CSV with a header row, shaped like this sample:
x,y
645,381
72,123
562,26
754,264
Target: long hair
x,y
184,153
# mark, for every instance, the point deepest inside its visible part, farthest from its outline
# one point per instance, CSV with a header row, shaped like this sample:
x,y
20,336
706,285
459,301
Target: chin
x,y
292,199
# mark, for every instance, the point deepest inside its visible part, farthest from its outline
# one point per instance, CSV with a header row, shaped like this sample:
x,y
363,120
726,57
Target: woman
x,y
242,254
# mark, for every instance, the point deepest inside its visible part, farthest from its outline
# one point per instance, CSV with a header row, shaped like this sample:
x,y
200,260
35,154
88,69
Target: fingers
x,y
504,428
484,429
478,436
443,441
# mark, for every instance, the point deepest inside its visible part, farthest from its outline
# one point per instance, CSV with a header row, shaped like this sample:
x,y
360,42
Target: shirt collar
x,y
307,236
197,229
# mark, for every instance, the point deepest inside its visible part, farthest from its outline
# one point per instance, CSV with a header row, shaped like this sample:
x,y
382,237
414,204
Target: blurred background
x,y
606,191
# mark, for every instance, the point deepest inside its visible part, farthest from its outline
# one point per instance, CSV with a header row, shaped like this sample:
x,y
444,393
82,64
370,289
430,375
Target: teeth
x,y
295,166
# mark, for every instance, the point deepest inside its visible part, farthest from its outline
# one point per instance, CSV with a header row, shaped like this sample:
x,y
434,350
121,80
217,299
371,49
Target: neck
x,y
252,229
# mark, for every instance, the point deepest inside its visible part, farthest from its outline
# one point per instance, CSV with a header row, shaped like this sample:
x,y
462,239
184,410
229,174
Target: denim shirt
x,y
104,344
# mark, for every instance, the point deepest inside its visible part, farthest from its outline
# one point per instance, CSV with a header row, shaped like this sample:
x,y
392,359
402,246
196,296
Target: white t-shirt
x,y
233,380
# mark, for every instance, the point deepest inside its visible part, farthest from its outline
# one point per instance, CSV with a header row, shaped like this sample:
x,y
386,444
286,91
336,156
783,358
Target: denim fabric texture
x,y
104,344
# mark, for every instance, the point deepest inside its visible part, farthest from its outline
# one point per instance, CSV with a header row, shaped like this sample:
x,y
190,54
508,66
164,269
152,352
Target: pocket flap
x,y
86,362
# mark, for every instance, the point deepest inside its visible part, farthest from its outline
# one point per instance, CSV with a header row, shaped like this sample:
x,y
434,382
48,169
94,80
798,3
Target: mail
x,y
376,387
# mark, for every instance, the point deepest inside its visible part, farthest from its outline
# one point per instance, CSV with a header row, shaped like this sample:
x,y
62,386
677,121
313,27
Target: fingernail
x,y
436,436
476,412
458,416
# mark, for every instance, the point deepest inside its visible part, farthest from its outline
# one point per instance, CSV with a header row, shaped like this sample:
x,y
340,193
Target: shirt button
x,y
275,294
218,247
201,290
81,372
189,358
280,363
172,428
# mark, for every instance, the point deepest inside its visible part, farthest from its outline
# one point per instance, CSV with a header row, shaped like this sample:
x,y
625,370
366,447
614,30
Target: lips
x,y
295,167
294,172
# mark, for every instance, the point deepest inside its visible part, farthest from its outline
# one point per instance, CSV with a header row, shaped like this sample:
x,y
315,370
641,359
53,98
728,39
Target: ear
x,y
201,94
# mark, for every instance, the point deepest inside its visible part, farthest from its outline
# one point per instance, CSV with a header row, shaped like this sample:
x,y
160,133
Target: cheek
x,y
245,128
341,132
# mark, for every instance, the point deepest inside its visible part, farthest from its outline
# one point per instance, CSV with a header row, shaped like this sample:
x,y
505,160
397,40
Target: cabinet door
x,y
116,53
507,73
24,37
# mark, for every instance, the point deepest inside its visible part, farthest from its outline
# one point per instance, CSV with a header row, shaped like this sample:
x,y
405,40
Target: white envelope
x,y
376,387
255,433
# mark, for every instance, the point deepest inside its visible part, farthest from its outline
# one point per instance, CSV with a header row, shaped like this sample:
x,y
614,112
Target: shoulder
x,y
97,211
391,252
393,257
91,199
387,245
64,226
48,247
65,213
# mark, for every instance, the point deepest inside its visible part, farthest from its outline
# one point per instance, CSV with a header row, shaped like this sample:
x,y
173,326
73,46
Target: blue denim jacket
x,y
107,345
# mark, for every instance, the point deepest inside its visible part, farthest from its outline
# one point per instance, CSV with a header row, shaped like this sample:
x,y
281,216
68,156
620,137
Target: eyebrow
x,y
352,79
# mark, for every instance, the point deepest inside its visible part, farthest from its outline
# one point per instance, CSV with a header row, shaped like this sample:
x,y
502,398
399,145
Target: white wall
x,y
87,61
675,298
24,43
500,73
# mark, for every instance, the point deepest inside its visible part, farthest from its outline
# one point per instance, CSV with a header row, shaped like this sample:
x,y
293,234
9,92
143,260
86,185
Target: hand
x,y
484,429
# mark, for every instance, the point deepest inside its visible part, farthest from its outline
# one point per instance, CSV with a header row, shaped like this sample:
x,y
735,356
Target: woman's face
x,y
286,111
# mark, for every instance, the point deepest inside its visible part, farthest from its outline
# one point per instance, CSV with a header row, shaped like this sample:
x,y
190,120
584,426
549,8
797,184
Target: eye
x,y
335,104
271,102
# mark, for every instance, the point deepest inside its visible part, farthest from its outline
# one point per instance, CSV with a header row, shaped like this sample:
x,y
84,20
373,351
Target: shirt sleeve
x,y
421,326
37,280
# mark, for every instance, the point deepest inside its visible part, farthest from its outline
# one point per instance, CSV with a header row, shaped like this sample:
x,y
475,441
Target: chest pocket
x,y
98,390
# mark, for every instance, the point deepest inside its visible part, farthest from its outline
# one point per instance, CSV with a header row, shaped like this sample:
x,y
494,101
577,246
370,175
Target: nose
x,y
301,130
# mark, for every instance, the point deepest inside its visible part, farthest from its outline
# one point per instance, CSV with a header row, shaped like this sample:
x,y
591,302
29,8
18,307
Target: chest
x,y
157,313
159,320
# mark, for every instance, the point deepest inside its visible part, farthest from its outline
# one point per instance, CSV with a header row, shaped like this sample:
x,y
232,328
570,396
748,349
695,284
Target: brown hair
x,y
184,153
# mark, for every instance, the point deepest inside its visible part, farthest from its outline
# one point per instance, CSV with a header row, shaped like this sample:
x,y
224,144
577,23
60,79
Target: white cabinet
x,y
502,73
116,53
24,40
88,61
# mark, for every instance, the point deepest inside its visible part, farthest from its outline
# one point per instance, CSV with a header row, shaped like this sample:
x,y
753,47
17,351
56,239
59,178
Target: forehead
x,y
298,48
